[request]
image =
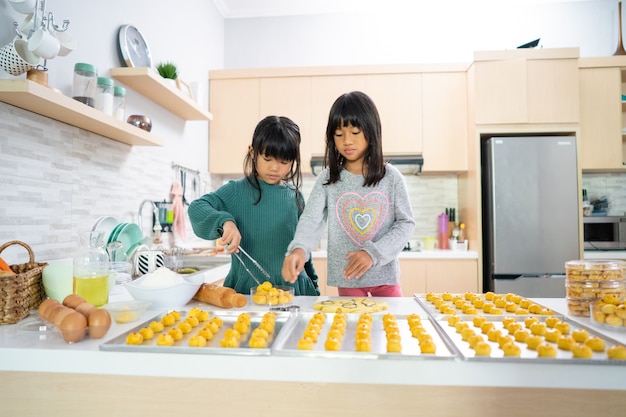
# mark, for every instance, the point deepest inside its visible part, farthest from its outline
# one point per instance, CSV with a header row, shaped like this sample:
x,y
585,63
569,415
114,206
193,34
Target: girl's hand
x,y
359,262
293,265
231,237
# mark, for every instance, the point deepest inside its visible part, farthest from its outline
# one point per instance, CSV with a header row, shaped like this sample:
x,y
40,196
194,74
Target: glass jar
x,y
119,102
85,82
91,269
104,95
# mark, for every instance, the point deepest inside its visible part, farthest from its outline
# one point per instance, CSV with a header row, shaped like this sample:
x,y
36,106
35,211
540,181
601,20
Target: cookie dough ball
x,y
428,347
580,335
595,343
566,342
485,327
529,321
507,320
493,335
479,321
453,320
511,349
551,321
617,352
546,350
563,327
533,341
538,329
581,351
552,335
521,335
305,343
482,349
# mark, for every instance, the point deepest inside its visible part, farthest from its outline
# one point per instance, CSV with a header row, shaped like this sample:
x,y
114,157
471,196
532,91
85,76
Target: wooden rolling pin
x,y
219,296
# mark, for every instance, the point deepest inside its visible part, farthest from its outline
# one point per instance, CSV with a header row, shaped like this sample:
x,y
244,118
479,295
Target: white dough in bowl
x,y
160,278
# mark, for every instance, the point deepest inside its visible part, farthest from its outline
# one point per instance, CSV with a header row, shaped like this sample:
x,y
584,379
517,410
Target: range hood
x,y
410,164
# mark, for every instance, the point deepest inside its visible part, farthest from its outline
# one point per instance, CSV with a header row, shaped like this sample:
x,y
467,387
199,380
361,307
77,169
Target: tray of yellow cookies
x,y
201,331
490,303
530,338
379,335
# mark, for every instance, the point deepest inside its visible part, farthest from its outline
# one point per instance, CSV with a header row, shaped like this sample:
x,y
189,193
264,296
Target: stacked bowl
x,y
590,280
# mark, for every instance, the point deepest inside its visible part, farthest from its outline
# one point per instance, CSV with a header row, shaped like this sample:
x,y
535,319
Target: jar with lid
x,y
91,269
119,102
85,82
104,95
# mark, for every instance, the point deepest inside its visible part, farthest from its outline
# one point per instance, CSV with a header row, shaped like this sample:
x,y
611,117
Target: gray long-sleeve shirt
x,y
376,219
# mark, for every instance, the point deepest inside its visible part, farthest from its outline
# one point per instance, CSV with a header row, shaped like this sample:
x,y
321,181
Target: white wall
x,y
191,34
425,32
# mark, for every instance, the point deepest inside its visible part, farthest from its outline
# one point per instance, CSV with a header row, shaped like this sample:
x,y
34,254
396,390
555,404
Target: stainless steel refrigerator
x,y
530,213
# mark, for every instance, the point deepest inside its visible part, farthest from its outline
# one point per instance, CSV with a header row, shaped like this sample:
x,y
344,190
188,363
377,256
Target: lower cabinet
x,y
421,276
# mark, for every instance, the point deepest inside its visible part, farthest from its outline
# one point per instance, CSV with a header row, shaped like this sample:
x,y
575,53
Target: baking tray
x,y
436,313
527,355
213,346
287,341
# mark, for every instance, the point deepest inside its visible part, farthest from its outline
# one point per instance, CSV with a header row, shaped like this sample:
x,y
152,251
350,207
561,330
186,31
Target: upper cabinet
x,y
422,110
235,107
526,86
444,121
602,114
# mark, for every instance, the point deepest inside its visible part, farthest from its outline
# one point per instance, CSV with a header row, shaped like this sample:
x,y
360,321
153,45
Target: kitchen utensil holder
x,y
23,291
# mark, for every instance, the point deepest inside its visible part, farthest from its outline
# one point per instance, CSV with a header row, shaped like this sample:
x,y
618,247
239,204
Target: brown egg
x,y
73,327
73,301
58,314
99,323
45,305
85,309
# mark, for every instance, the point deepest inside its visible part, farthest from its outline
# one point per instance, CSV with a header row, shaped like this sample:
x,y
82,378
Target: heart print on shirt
x,y
362,216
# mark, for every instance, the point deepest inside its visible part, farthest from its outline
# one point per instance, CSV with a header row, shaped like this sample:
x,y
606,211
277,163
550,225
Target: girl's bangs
x,y
283,149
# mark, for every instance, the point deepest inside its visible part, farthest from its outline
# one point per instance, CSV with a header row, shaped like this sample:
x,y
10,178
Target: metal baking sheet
x,y
436,313
213,345
287,342
527,355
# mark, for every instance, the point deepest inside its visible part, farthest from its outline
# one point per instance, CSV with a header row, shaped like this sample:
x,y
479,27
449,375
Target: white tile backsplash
x,y
611,186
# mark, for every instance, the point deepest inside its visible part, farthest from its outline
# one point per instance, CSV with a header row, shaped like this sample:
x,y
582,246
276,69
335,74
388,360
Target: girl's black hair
x,y
356,109
277,137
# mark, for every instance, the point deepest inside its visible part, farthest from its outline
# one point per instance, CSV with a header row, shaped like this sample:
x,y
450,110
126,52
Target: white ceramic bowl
x,y
166,297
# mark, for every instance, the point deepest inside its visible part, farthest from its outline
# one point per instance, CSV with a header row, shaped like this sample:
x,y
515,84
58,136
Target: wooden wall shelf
x,y
42,100
149,83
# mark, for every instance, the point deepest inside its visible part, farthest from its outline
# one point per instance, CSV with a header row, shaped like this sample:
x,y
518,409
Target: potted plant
x,y
167,70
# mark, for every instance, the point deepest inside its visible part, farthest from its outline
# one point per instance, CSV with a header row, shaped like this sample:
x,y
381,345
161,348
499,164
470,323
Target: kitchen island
x,y
42,375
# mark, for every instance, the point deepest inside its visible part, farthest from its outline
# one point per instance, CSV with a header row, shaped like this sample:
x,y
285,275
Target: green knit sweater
x,y
266,229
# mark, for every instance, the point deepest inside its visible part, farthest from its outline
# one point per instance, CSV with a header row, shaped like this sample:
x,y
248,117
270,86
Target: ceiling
x,y
237,9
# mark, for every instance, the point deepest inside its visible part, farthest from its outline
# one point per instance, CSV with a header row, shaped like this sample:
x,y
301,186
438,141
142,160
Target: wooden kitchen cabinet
x,y
600,118
421,276
428,275
235,108
290,97
324,91
413,276
398,98
526,86
444,121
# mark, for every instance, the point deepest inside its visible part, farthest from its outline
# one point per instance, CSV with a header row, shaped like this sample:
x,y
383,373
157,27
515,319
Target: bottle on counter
x,y
85,83
104,95
119,103
443,231
91,269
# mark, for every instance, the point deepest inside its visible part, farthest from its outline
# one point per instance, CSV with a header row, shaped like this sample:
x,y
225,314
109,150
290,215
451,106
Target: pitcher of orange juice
x,y
91,269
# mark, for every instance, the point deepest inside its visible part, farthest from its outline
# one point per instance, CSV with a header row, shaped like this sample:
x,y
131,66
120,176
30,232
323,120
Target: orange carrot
x,y
5,266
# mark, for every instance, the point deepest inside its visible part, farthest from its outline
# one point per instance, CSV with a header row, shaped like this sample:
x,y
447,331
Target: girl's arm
x,y
210,212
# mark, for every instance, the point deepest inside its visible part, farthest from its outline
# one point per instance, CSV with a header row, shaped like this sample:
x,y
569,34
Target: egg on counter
x,y
99,323
73,327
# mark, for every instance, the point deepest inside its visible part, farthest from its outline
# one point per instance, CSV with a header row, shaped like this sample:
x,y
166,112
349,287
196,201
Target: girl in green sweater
x,y
261,210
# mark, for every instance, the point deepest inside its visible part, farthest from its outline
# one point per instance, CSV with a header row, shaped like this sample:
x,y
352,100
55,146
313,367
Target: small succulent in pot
x,y
167,70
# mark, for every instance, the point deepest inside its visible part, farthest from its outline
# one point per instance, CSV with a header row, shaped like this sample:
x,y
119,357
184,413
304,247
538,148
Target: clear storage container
x,y
119,103
104,95
85,83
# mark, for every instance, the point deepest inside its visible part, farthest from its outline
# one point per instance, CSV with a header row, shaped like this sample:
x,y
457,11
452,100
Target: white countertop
x,y
33,352
428,254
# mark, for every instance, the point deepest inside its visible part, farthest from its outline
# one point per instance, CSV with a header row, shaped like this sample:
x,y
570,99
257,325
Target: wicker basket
x,y
23,291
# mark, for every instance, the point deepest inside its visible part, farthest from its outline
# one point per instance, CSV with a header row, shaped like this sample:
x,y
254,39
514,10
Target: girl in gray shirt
x,y
364,202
